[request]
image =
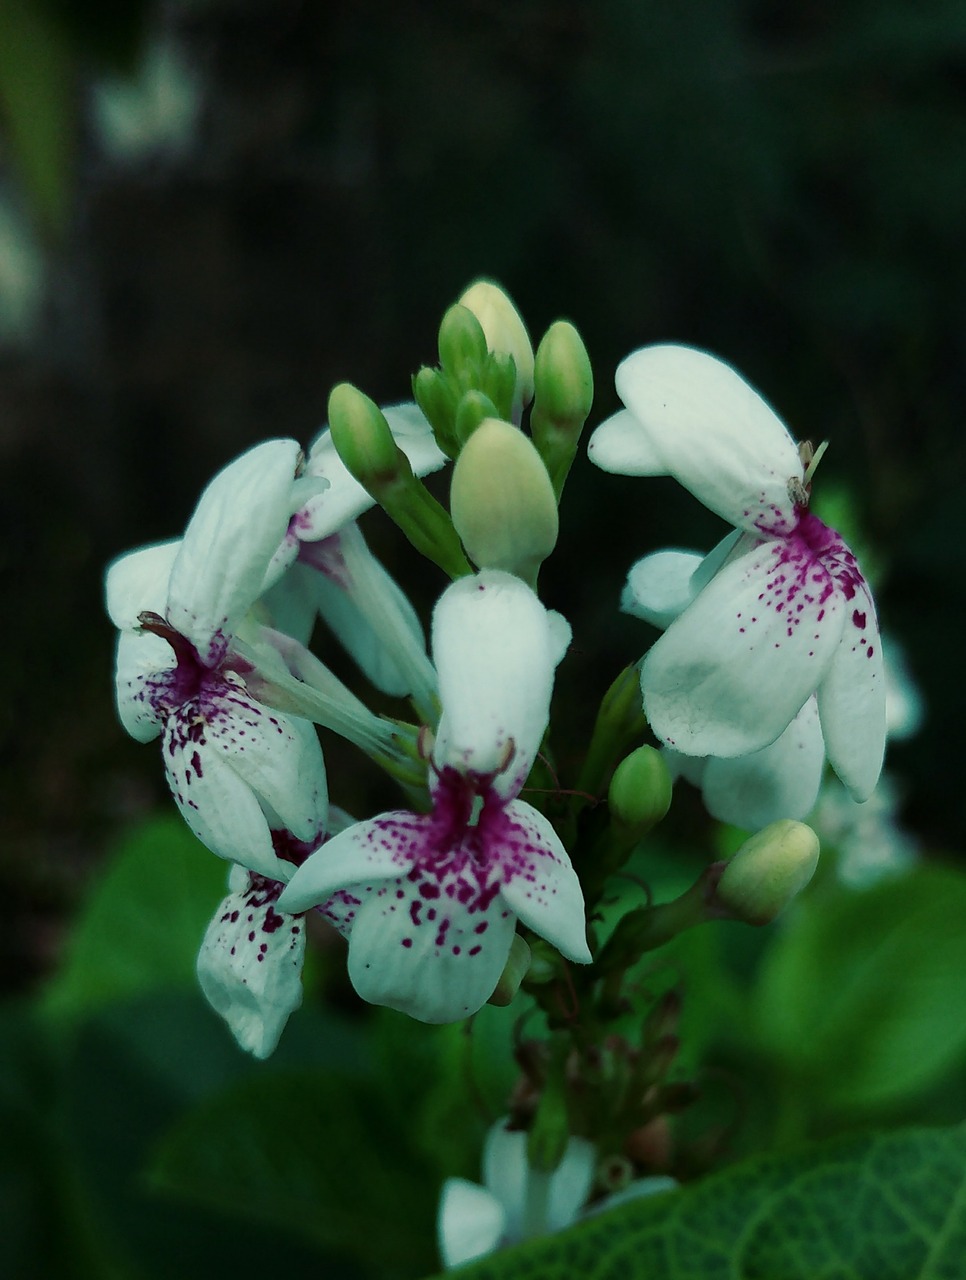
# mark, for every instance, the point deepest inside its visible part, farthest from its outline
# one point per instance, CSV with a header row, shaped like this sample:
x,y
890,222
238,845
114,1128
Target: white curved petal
x,y
219,807
250,966
507,1174
238,526
437,959
619,445
852,699
736,667
138,581
471,1222
780,781
539,883
346,499
714,434
142,671
506,1171
277,756
570,1183
658,588
379,849
495,653
291,605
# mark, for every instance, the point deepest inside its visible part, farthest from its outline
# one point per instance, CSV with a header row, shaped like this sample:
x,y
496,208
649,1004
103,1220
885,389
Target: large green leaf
x,y
317,1153
886,1207
143,923
861,995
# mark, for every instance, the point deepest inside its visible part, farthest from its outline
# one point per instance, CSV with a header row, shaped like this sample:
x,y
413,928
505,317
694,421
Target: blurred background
x,y
213,210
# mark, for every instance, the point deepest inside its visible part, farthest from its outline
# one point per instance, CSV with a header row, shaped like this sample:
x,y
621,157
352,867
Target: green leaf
x,y
861,994
885,1207
36,101
318,1153
141,928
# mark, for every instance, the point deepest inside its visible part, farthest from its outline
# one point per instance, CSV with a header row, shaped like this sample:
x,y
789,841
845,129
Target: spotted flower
x,y
784,612
430,901
237,769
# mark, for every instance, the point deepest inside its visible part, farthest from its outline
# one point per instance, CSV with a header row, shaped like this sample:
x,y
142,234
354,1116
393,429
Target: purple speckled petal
x,y
366,853
852,699
219,807
434,957
736,667
143,672
780,781
138,581
620,445
237,528
539,883
495,650
278,756
250,965
714,434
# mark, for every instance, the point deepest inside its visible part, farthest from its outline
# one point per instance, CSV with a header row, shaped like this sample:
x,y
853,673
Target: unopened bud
x,y
502,502
640,792
462,344
436,397
768,871
564,394
474,408
505,332
363,438
514,971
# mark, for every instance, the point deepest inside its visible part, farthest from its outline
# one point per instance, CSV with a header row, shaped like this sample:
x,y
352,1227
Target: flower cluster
x,y
770,662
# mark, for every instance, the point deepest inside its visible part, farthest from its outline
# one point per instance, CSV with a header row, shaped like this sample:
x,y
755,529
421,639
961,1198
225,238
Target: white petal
x,y
138,581
237,527
142,671
506,1171
736,667
219,807
570,1183
713,433
658,588
507,1174
346,499
619,445
278,756
250,967
539,883
291,605
852,699
471,1222
780,781
367,852
434,958
495,653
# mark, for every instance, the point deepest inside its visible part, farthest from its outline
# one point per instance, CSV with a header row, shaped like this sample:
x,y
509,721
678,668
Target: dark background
x,y
783,184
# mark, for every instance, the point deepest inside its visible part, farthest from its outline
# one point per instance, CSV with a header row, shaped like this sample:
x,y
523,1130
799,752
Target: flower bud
x,y
462,344
474,408
564,394
515,970
363,438
505,332
502,502
768,871
435,395
640,791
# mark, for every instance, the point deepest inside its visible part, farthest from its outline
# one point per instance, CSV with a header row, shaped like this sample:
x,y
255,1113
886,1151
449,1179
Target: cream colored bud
x,y
502,502
768,871
504,329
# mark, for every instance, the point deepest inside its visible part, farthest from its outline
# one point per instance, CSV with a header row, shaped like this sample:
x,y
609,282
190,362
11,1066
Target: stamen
x,y
813,462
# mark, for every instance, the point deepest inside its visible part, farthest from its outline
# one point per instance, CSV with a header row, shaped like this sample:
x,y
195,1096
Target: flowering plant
x,y
499,878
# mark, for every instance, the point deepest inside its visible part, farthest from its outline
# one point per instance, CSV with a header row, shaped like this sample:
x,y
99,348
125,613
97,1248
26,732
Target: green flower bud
x,y
434,394
474,408
505,332
515,970
640,792
564,394
363,439
462,344
768,871
502,502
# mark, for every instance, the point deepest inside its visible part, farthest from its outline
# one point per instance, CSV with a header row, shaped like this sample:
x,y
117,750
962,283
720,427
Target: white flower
x,y
517,1202
237,769
787,613
430,901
